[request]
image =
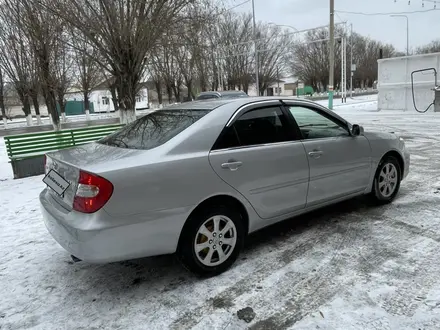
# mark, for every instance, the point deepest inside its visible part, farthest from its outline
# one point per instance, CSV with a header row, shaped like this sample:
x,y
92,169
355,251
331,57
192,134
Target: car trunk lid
x,y
67,163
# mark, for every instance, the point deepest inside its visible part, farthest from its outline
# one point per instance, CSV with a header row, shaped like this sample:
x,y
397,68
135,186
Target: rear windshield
x,y
154,129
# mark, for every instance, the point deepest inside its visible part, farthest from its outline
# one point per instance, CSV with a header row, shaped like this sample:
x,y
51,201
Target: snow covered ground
x,y
350,266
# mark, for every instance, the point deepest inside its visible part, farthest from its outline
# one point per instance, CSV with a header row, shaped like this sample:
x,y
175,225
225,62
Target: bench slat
x,y
51,133
49,140
33,144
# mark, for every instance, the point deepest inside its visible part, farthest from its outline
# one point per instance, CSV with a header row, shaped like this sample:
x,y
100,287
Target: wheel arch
x,y
398,156
217,200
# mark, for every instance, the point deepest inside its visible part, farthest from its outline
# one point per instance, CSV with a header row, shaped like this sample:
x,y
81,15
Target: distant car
x,y
221,95
196,178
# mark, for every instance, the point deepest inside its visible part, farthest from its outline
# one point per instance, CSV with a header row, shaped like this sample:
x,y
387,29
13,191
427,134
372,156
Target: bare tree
x,y
273,44
365,55
16,56
88,73
35,90
432,47
63,71
42,32
124,33
234,51
309,59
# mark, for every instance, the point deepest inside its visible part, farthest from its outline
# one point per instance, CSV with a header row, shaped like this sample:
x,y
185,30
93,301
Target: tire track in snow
x,y
284,256
305,298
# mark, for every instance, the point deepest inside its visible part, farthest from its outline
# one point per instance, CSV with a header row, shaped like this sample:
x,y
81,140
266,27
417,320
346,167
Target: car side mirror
x,y
357,130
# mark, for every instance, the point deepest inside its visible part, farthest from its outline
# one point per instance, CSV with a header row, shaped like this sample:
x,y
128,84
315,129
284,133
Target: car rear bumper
x,y
91,238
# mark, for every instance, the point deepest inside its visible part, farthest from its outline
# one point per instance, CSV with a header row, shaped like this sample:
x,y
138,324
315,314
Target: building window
x,y
276,90
138,98
105,100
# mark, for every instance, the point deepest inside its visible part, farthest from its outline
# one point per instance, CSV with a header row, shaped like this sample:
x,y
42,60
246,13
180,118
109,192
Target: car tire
x,y
211,240
386,182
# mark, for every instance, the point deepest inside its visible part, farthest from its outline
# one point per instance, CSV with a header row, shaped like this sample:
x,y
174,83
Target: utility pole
x,y
343,69
278,80
332,54
351,60
257,83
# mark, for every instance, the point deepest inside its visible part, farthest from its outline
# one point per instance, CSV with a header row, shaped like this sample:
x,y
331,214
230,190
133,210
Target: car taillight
x,y
92,193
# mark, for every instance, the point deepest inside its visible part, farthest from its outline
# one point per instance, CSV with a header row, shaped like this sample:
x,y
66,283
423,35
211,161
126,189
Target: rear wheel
x,y
387,180
211,241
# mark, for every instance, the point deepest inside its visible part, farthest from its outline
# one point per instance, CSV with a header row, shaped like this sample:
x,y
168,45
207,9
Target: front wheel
x,y
211,241
387,180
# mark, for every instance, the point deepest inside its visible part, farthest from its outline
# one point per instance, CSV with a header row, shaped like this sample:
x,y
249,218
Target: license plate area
x,y
56,182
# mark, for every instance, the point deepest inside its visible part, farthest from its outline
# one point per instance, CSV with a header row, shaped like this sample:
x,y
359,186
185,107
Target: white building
x,y
287,87
102,99
394,82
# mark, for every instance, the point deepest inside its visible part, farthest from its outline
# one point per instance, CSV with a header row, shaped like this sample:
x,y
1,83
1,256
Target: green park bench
x,y
26,151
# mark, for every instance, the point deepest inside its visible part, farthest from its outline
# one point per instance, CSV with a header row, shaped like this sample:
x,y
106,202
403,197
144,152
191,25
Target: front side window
x,y
314,125
256,127
105,100
154,129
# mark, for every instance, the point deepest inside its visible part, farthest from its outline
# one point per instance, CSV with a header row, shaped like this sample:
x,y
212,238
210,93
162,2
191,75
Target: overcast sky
x,y
305,14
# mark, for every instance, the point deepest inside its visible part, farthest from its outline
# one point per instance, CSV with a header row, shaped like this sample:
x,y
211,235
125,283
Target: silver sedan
x,y
197,178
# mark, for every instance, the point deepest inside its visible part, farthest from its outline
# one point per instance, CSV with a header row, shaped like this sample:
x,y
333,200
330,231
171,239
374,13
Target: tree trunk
x,y
176,90
158,86
36,104
2,100
48,92
27,110
169,93
127,99
62,104
114,97
50,100
86,104
189,87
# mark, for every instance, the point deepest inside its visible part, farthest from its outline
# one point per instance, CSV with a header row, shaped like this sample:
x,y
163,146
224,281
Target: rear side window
x,y
256,127
154,129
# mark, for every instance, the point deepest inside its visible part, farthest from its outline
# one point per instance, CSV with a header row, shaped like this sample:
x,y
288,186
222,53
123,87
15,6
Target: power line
x,y
386,14
238,5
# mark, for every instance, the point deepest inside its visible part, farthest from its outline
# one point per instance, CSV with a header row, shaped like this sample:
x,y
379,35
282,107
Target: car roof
x,y
211,104
208,104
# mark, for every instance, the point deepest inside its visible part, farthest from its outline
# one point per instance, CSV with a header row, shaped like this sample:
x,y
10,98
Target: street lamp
x,y
407,31
332,54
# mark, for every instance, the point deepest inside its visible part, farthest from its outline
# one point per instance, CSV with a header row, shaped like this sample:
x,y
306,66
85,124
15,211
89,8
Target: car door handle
x,y
315,153
232,165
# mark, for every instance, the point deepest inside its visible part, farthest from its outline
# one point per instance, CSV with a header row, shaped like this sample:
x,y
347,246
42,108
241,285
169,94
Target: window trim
x,y
292,132
249,107
254,146
325,114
